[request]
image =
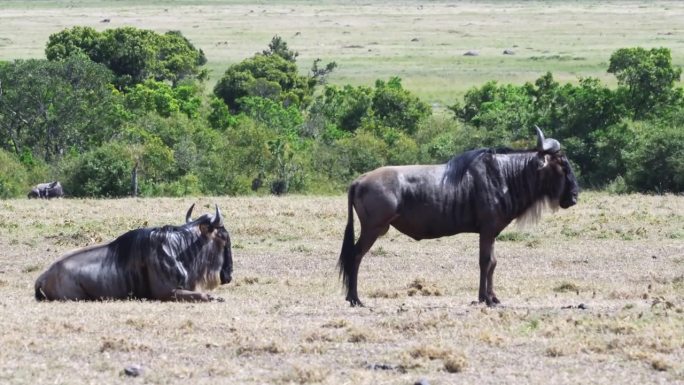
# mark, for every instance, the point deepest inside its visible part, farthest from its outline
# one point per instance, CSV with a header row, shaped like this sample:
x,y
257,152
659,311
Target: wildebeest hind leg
x,y
366,240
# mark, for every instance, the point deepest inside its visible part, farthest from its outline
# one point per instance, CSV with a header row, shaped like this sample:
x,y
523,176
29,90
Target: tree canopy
x,y
133,55
49,108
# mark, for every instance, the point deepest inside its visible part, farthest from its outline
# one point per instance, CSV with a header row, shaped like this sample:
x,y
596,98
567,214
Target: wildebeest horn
x,y
548,145
218,221
187,216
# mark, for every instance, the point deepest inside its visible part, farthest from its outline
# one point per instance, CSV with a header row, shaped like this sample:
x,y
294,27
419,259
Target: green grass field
x,y
422,42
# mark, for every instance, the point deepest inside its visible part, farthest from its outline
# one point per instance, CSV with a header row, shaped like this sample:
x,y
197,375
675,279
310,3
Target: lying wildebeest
x,y
47,190
480,191
167,263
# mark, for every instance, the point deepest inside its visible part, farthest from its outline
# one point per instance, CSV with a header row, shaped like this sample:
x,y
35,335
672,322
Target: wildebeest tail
x,y
346,262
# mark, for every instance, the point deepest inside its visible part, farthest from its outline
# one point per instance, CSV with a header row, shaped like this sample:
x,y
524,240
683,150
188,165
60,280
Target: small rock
x,y
508,52
133,370
582,306
471,53
422,381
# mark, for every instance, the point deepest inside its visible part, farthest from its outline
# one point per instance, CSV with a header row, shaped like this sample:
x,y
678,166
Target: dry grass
x,y
285,319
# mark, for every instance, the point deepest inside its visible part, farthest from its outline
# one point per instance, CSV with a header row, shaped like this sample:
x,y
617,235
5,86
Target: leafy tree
x,y
133,54
395,107
386,108
646,79
507,111
360,153
153,95
79,41
220,117
52,107
346,107
179,58
320,75
284,120
278,46
584,117
240,155
266,76
271,74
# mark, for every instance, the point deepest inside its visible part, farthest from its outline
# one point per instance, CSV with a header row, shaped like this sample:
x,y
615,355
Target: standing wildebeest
x,y
163,263
46,190
480,191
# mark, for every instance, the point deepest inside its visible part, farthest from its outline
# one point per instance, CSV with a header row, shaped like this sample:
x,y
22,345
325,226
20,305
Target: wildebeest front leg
x,y
192,296
487,264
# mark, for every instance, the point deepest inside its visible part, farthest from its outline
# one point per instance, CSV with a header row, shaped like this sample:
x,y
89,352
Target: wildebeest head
x,y
212,228
560,180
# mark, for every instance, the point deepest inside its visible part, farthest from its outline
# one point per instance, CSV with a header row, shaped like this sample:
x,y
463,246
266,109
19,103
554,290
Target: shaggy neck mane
x,y
181,243
525,200
512,178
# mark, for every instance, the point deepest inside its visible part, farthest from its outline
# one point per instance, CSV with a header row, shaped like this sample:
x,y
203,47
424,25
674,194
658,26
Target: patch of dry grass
x,y
285,319
422,287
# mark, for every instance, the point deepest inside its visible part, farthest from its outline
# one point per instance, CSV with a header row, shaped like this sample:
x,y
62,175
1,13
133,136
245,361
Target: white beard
x,y
531,216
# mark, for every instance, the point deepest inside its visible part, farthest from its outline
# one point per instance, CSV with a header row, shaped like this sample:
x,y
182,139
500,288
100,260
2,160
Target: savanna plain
x,y
423,42
593,294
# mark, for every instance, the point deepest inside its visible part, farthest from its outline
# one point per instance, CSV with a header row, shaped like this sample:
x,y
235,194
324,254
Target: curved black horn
x,y
187,216
540,139
548,145
218,220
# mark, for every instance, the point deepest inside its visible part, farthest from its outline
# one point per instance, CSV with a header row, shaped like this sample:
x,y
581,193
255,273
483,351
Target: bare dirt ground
x,y
285,319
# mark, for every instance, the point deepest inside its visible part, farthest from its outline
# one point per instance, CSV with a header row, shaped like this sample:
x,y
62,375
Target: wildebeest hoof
x,y
356,303
213,298
492,302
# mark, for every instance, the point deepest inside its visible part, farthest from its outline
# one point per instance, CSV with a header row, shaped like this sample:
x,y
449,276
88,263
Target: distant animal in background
x,y
47,190
169,263
480,191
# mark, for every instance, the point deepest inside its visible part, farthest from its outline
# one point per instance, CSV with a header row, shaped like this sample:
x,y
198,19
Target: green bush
x,y
19,174
655,162
14,178
102,172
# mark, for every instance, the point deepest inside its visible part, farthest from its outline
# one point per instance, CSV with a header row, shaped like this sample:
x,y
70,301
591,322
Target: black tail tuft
x,y
346,262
